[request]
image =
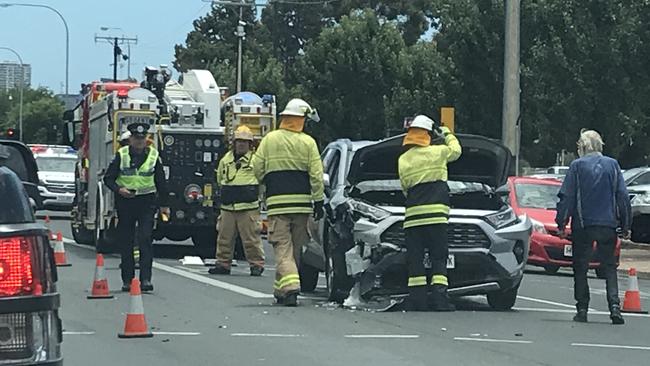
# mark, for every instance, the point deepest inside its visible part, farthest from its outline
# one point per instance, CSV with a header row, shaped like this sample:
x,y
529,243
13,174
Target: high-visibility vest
x,y
423,175
289,165
141,180
239,187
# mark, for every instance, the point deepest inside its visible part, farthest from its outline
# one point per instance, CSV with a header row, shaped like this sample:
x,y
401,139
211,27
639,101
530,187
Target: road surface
x,y
201,319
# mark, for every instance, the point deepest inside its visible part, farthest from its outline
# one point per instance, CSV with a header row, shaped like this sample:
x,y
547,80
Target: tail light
x,y
18,276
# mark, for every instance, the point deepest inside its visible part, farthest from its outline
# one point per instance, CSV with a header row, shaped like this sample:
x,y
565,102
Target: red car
x,y
537,198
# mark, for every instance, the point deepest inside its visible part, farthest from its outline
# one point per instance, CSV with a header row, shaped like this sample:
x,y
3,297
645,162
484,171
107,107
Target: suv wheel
x,y
503,300
339,283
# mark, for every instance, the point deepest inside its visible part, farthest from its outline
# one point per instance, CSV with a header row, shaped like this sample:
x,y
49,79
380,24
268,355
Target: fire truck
x,y
190,129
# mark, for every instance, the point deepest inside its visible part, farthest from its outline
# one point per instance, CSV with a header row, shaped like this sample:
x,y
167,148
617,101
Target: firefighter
x,y
239,206
137,177
288,163
423,176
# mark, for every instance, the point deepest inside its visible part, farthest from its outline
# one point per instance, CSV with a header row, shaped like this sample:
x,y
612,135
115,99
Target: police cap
x,y
138,129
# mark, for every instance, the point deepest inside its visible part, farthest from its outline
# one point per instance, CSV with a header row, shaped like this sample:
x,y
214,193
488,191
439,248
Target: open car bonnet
x,y
483,161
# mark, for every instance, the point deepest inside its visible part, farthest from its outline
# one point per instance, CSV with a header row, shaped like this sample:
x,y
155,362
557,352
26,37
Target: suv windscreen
x,y
56,164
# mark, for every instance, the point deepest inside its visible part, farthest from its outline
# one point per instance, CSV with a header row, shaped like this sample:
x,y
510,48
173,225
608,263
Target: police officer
x,y
423,175
239,206
288,163
137,177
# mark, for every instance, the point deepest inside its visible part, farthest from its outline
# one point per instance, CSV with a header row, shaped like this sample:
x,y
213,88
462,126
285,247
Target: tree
x,y
348,71
42,115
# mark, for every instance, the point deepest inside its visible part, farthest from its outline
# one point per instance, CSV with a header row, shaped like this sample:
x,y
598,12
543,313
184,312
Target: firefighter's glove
x,y
444,131
318,210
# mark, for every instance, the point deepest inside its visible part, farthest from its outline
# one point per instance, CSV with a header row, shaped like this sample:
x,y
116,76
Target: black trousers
x,y
583,240
136,214
434,238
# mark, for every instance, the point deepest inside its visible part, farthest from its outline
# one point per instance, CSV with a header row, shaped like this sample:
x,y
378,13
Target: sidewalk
x,y
635,256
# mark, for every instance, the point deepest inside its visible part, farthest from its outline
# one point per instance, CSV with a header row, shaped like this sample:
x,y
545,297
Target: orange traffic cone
x,y
136,325
100,283
59,252
632,301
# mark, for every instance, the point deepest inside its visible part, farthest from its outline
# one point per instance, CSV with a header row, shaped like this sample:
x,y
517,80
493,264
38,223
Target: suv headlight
x,y
641,199
502,218
371,212
538,227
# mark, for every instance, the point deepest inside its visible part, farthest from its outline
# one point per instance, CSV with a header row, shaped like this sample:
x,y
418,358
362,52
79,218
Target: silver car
x,y
56,178
364,242
638,186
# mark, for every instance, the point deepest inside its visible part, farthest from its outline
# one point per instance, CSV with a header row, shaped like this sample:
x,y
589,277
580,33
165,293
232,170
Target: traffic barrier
x,y
100,282
632,301
135,325
59,252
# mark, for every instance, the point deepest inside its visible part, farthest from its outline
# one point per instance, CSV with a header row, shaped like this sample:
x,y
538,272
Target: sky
x,y
38,35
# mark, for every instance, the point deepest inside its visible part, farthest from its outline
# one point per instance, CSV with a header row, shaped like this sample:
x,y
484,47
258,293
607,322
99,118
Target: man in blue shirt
x,y
594,198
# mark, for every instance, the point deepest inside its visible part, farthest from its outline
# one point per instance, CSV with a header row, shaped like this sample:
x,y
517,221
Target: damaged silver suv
x,y
362,234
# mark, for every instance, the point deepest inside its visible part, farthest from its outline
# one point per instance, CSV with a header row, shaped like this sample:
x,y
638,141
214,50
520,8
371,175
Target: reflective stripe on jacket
x,y
239,187
423,175
141,180
289,165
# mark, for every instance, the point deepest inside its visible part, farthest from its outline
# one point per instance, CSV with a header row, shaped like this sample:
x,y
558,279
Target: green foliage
x,y
42,114
367,64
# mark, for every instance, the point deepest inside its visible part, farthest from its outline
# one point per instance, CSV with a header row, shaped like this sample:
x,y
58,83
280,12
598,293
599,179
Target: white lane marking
x,y
490,340
66,332
382,336
547,302
270,335
212,282
562,311
203,279
177,333
642,348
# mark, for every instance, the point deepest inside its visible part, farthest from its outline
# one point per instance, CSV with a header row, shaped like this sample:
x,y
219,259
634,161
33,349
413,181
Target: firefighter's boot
x,y
417,299
290,299
219,269
440,299
257,271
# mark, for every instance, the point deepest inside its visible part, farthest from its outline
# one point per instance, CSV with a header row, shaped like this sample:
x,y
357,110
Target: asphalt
x,y
226,319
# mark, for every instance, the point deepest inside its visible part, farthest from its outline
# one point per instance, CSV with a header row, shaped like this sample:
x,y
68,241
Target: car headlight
x,y
502,218
371,212
641,199
538,227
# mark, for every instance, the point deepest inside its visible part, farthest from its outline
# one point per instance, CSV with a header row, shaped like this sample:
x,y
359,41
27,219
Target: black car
x,y
30,327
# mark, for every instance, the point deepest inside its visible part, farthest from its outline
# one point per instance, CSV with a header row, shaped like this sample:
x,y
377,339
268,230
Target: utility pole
x,y
117,50
240,33
511,87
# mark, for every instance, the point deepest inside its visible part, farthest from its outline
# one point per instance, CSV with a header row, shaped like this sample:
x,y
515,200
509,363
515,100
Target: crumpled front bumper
x,y
496,262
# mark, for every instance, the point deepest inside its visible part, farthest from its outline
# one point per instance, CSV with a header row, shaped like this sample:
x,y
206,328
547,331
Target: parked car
x,y
56,166
537,198
557,170
638,186
30,327
362,233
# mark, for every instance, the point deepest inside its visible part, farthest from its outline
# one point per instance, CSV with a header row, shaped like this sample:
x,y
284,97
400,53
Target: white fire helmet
x,y
300,108
422,122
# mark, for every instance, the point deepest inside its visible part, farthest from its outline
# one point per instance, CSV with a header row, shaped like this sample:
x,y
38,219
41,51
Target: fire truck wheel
x,y
81,235
205,243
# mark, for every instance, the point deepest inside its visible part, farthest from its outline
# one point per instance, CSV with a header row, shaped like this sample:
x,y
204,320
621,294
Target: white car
x,y
56,166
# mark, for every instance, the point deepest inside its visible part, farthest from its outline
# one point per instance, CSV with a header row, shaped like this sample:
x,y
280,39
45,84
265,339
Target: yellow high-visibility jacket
x,y
239,187
141,180
289,165
423,175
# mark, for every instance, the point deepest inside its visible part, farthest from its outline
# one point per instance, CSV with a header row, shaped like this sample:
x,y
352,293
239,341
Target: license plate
x,y
66,199
451,261
568,250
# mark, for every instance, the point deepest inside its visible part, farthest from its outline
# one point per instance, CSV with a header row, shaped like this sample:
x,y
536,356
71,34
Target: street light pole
x,y
22,86
67,36
240,33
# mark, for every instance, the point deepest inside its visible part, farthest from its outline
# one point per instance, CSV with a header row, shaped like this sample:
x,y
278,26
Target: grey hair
x,y
590,141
